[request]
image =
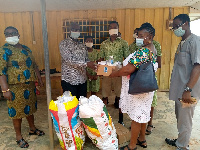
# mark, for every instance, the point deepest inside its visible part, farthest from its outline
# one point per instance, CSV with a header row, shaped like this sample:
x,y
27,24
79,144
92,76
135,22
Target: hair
x,y
72,24
10,27
87,37
148,27
183,18
114,22
136,29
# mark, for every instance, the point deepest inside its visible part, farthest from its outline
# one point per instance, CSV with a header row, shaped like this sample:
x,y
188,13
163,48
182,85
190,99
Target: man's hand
x,y
8,95
92,65
95,77
186,97
90,77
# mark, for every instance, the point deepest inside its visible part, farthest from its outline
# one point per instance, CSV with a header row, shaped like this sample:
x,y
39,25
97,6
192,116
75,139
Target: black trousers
x,y
76,90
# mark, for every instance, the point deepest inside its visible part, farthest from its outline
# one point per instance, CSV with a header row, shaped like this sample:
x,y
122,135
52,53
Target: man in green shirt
x,y
133,47
117,49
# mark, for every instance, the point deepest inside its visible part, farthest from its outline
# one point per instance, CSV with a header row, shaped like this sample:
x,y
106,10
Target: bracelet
x,y
6,91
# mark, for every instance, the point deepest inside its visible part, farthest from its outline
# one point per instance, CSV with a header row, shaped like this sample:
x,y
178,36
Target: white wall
x,y
195,27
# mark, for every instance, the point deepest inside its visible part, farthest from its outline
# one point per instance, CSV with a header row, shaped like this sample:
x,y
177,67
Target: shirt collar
x,y
117,39
78,41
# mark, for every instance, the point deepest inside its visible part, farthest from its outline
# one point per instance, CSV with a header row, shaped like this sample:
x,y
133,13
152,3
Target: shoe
x,y
171,142
121,122
36,132
22,143
116,104
141,143
148,132
122,148
105,100
179,148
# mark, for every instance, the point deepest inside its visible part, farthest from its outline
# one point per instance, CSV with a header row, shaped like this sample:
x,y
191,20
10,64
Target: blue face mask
x,y
179,32
75,35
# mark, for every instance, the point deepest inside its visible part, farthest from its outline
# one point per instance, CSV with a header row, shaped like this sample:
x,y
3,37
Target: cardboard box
x,y
105,70
123,135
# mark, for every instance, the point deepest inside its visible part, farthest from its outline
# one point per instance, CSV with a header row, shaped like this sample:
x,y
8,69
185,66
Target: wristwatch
x,y
188,89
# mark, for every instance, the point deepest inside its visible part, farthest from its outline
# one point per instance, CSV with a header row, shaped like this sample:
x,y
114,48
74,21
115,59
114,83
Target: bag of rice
x,y
68,127
98,123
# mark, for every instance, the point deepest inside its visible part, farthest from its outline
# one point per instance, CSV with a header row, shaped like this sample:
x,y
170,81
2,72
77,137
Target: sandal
x,y
148,132
22,143
141,143
36,132
122,148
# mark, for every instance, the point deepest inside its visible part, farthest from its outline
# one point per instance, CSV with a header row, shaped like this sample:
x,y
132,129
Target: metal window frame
x,y
88,24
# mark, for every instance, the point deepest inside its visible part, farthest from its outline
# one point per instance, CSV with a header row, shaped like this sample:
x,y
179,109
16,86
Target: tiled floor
x,y
164,121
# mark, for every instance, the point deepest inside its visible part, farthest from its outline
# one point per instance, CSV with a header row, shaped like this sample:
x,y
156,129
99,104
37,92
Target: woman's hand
x,y
7,95
114,73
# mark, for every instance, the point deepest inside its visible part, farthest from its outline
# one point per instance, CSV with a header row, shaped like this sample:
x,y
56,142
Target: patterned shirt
x,y
141,56
118,49
74,61
17,64
133,47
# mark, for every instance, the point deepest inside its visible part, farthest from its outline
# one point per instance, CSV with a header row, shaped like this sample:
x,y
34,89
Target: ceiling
x,y
34,5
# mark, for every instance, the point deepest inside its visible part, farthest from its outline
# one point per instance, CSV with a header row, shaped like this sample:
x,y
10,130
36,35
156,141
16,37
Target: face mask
x,y
179,32
12,40
89,44
139,42
75,35
134,36
113,31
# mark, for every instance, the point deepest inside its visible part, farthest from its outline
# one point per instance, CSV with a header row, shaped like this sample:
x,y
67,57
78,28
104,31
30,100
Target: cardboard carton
x,y
105,70
123,135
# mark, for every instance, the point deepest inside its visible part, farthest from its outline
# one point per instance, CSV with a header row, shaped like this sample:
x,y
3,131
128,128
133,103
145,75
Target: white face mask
x,y
179,32
89,44
75,35
135,36
12,40
139,42
113,31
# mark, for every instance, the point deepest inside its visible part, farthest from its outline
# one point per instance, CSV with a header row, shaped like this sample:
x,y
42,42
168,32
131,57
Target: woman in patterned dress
x,y
138,106
18,72
93,81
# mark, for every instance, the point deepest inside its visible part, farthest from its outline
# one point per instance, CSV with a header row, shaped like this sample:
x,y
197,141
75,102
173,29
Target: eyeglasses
x,y
11,34
176,27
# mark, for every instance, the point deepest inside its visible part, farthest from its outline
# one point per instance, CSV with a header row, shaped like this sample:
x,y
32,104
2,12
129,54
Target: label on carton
x,y
105,69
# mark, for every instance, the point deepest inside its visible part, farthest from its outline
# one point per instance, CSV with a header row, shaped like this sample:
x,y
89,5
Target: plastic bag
x,y
98,123
68,127
192,104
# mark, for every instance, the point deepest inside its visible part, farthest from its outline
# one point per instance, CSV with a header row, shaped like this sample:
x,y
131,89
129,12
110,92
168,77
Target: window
x,y
97,28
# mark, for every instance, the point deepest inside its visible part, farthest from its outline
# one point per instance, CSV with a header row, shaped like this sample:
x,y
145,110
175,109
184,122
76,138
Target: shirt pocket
x,y
181,58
